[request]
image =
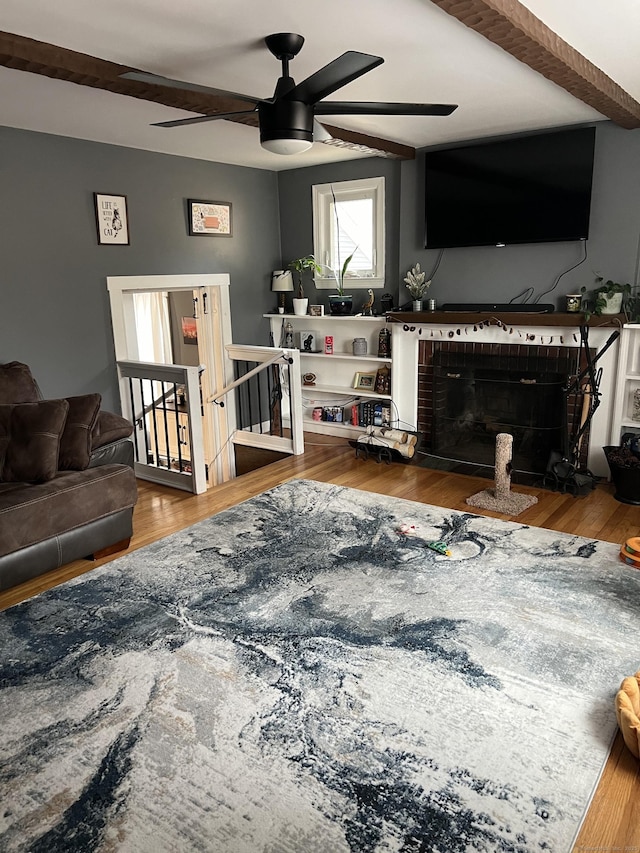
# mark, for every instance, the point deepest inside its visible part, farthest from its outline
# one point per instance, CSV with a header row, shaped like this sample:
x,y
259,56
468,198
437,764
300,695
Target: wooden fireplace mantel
x,y
524,318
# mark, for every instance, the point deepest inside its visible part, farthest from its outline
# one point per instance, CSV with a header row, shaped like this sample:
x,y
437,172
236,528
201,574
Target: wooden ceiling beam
x,y
511,26
372,145
36,57
59,63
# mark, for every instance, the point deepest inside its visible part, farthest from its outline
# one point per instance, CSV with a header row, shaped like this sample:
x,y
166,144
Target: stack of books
x,y
368,413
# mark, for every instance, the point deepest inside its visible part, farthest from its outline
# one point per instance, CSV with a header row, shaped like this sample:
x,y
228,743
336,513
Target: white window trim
x,y
322,196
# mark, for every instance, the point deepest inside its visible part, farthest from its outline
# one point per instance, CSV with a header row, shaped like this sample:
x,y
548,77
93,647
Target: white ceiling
x,y
429,56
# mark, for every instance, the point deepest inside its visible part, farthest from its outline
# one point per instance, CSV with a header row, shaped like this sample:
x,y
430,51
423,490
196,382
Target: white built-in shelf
x,y
343,355
335,372
627,382
340,318
342,390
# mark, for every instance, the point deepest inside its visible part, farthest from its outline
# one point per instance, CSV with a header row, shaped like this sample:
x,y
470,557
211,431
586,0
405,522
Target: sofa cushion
x,y
17,385
34,513
75,444
30,436
110,427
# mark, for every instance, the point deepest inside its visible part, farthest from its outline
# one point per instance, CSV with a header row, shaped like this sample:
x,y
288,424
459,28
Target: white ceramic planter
x,y
300,306
613,303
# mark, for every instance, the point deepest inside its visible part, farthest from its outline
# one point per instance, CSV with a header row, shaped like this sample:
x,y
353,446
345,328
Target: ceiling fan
x,y
287,119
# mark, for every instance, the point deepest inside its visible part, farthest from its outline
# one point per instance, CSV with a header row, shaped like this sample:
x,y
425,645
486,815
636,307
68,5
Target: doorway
x,y
181,320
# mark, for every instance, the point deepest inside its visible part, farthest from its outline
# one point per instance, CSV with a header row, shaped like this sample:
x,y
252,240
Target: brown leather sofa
x,y
67,487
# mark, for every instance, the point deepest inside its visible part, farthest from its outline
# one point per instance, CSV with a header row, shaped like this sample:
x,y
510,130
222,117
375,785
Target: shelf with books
x,y
354,416
340,378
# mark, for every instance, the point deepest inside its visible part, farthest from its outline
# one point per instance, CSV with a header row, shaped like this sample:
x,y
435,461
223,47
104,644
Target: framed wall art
x,y
209,218
111,219
189,331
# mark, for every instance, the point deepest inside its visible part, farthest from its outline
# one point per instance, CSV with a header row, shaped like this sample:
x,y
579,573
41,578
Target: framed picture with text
x,y
209,218
111,219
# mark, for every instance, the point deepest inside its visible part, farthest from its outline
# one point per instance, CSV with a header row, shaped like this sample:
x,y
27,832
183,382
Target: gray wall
x,y
487,273
498,275
54,307
296,215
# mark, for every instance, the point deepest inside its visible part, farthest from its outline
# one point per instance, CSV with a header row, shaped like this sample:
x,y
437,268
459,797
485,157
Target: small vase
x,y
416,305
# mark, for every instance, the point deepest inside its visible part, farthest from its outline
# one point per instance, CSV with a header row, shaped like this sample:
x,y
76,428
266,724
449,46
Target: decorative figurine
x,y
288,336
383,380
384,343
367,308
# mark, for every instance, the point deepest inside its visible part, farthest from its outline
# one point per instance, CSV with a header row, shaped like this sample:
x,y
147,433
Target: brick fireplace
x,y
470,392
536,355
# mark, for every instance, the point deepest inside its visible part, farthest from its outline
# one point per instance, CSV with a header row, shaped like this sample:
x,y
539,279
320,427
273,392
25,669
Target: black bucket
x,y
626,479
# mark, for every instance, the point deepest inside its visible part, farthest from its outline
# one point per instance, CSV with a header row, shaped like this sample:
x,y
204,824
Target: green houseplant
x,y
339,303
416,285
300,266
608,297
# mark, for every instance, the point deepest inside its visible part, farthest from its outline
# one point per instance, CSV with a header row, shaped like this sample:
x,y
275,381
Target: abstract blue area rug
x,y
294,675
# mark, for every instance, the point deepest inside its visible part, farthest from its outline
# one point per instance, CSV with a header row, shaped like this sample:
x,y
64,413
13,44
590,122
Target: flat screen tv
x,y
526,189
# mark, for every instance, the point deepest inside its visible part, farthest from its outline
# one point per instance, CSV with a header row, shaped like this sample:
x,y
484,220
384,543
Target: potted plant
x,y
417,286
340,303
300,265
608,297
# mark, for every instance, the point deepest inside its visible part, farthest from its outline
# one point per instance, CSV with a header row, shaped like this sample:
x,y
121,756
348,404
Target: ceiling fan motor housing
x,y
286,120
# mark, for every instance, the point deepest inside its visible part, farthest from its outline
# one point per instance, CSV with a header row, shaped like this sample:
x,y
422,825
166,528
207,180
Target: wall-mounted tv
x,y
525,189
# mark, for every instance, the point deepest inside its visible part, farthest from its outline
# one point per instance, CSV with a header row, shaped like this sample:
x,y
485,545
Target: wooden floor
x,y
613,821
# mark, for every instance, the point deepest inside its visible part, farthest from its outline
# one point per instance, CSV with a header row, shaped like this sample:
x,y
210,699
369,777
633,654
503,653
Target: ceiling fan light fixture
x,y
287,121
286,146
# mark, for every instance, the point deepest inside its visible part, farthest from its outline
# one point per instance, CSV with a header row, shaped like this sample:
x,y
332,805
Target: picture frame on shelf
x,y
209,218
365,381
307,341
316,310
112,220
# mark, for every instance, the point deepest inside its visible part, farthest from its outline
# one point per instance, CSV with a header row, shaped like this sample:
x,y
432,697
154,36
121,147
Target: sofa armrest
x,y
108,428
120,451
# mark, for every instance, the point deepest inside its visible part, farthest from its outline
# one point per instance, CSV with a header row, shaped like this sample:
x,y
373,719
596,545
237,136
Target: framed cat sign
x,y
111,219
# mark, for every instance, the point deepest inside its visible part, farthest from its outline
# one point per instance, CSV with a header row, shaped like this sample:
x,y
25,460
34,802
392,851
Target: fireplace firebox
x,y
475,391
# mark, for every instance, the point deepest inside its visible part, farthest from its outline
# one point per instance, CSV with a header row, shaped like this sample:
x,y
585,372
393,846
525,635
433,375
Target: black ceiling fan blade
x,y
379,108
158,80
336,74
178,122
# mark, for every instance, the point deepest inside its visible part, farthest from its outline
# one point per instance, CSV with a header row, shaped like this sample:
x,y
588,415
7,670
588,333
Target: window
x,y
348,218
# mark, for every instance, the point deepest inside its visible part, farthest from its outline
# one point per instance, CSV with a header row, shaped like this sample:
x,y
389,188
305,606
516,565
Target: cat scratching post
x,y
502,499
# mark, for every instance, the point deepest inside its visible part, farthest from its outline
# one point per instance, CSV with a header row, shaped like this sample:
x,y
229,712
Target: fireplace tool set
x,y
564,472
